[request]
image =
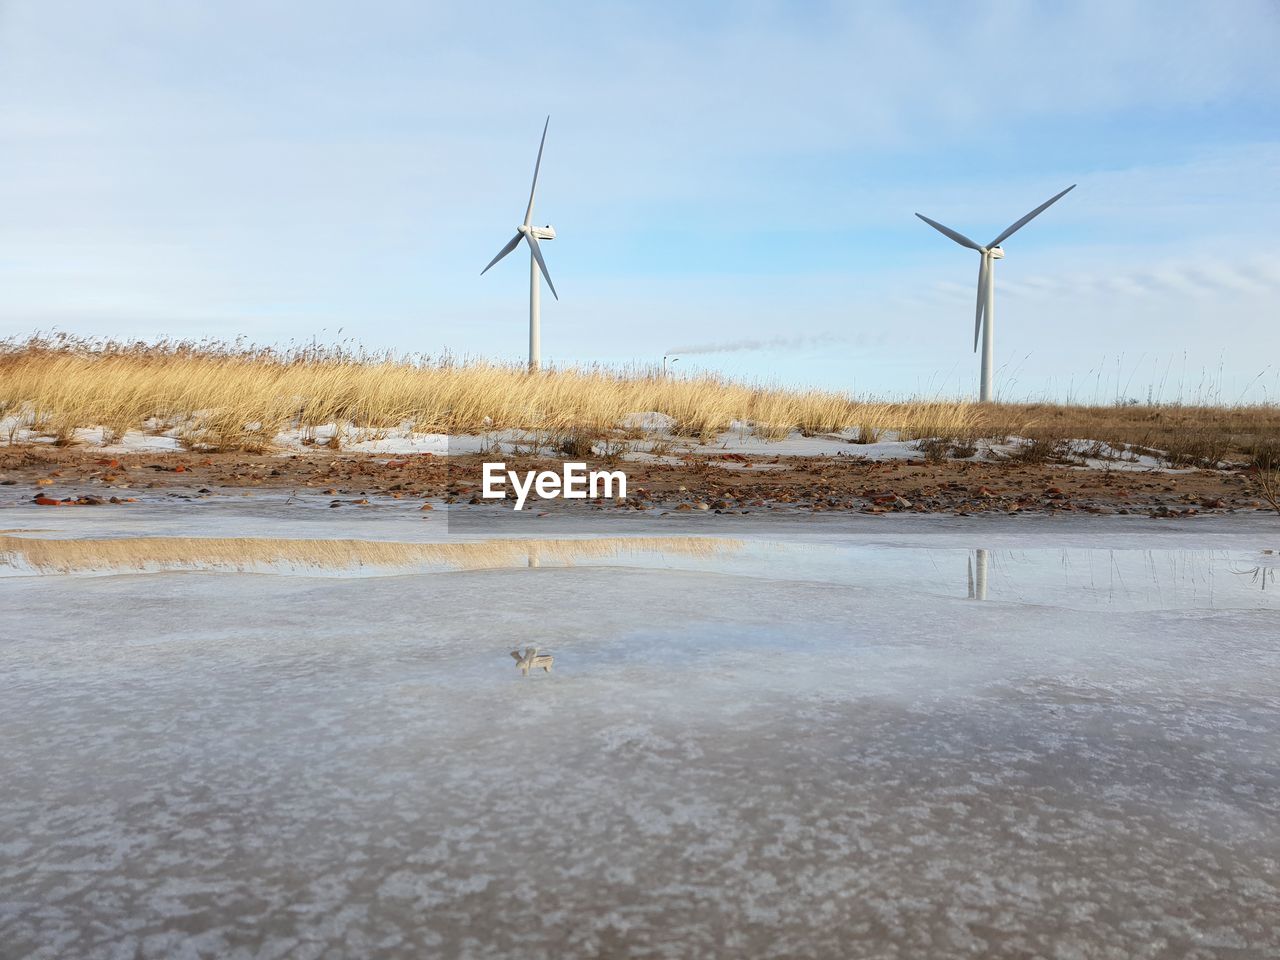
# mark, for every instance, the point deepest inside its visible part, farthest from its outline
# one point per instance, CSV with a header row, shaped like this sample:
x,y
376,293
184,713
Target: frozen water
x,y
758,739
1160,578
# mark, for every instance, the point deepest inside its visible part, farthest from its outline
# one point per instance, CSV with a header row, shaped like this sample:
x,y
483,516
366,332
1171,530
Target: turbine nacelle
x,y
995,253
546,232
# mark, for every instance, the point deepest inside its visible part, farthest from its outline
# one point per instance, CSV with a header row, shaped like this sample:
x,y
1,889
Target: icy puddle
x,y
1160,578
805,740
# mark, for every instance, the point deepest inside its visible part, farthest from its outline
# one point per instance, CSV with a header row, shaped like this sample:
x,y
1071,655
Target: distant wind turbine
x,y
532,235
984,321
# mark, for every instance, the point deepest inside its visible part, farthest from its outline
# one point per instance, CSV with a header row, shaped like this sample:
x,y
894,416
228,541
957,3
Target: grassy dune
x,y
232,397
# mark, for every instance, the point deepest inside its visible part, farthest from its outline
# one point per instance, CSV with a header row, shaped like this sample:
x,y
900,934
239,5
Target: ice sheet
x,y
799,743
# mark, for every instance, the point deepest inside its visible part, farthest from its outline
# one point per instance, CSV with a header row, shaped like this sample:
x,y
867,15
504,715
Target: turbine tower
x,y
532,234
984,320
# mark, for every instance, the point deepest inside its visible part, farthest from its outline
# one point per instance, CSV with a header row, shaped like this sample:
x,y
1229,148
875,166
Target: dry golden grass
x,y
233,397
1183,435
1267,482
222,397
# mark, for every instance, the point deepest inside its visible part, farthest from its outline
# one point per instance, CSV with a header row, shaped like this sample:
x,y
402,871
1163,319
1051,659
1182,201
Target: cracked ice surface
x,y
770,751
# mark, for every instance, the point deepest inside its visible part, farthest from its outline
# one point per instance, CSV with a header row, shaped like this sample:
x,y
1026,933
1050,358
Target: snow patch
x,y
657,444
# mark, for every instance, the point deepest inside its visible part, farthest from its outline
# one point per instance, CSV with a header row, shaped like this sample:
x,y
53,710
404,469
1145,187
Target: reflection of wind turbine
x,y
978,583
1259,575
532,234
987,283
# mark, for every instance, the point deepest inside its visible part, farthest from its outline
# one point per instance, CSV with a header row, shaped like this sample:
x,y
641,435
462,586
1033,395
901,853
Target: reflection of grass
x,y
249,553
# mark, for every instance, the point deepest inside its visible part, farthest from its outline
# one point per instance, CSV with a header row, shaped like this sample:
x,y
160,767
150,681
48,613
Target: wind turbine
x,y
984,320
532,234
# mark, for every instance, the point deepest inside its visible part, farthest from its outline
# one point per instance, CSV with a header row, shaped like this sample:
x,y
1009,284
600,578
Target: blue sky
x,y
734,181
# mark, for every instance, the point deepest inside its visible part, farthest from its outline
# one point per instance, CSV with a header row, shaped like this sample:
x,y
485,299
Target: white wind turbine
x,y
987,285
532,234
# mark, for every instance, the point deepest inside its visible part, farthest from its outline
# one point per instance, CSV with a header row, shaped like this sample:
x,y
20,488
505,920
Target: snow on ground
x,y
133,441
797,444
656,444
395,442
814,740
652,422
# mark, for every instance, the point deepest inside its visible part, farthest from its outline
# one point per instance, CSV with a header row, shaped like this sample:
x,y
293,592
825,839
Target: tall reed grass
x,y
236,396
232,396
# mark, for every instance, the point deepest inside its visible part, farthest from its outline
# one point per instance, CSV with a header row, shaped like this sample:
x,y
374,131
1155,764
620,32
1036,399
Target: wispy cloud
x,y
800,342
1168,280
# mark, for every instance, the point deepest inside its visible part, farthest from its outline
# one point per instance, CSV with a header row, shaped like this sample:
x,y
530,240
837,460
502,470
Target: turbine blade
x,y
528,213
514,242
959,238
980,312
542,264
1029,217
